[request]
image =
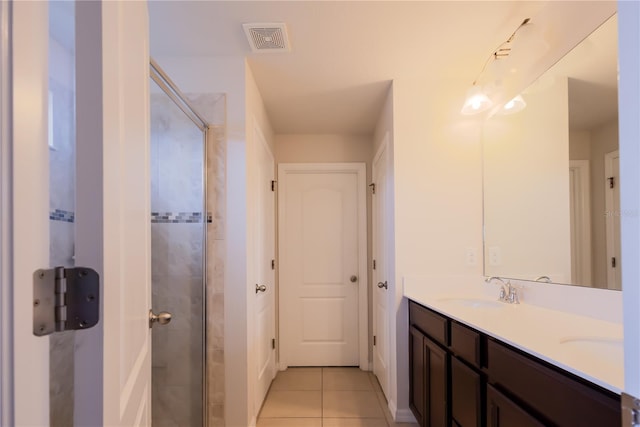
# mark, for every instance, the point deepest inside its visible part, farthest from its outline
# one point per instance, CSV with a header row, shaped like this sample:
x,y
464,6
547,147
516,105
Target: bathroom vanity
x,y
461,375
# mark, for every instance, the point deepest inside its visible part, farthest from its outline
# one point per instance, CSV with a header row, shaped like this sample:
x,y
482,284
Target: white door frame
x,y
580,222
6,313
363,325
612,216
25,198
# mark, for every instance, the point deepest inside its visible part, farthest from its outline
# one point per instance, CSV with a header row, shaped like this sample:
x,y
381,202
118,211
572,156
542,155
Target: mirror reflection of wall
x,y
551,190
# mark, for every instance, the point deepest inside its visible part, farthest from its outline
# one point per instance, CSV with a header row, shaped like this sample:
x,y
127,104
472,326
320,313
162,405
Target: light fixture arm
x,y
501,51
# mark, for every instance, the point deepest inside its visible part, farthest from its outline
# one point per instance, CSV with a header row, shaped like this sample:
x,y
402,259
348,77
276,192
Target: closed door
x,y
321,254
264,261
111,384
381,277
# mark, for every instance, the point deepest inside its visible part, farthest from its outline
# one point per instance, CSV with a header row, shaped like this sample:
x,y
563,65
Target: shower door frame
x,y
171,90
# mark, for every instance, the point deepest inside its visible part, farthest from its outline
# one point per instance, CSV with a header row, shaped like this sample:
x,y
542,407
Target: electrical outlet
x,y
495,255
471,256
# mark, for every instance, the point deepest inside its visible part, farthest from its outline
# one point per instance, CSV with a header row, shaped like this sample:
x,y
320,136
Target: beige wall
x,y
579,145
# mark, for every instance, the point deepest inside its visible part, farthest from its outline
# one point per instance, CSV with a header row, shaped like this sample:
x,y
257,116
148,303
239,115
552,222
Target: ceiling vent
x,y
267,37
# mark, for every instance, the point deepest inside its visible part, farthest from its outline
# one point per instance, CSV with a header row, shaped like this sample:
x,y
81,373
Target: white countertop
x,y
587,347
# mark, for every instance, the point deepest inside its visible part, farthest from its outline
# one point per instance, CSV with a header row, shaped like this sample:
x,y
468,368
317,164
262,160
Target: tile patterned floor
x,y
326,397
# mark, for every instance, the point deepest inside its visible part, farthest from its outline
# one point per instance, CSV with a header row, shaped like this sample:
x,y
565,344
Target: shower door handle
x,y
161,318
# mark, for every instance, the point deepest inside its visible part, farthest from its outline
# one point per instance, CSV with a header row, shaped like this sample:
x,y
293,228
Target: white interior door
x,y
612,200
381,277
265,355
322,264
112,360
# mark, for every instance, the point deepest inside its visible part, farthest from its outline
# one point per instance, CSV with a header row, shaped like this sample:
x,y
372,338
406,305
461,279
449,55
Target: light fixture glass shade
x,y
476,101
513,106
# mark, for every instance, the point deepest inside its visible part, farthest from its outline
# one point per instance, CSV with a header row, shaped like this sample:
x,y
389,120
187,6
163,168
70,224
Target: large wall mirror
x,y
551,187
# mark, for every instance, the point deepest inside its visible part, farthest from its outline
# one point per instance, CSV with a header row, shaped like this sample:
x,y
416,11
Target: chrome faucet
x,y
508,292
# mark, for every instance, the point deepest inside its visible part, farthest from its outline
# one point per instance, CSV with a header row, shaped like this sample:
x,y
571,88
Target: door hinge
x,y
374,340
273,343
630,410
374,264
612,181
273,264
613,262
273,185
65,299
373,188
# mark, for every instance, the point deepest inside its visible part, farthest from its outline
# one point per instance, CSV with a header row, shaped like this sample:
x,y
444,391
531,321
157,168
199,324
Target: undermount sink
x,y
473,302
603,346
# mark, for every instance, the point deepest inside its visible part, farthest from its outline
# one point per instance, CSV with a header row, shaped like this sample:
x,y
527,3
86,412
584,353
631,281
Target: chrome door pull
x,y
383,285
161,318
353,279
260,288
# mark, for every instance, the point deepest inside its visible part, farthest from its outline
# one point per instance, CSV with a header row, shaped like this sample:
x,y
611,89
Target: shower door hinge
x,y
65,299
374,264
273,264
273,185
373,187
374,340
630,410
273,343
613,262
612,181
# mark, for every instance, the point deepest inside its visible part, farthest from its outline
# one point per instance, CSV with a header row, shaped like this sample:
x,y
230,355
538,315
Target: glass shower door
x,y
177,249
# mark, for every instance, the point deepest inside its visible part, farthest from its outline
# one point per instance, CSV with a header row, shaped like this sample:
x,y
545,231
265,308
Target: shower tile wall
x,y
213,108
177,234
61,219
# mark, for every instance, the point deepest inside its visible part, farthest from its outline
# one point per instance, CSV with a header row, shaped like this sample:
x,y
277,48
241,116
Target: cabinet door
x,y
466,395
417,375
503,412
436,369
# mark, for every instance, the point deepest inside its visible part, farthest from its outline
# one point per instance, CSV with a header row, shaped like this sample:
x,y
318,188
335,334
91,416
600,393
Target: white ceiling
x,y
344,53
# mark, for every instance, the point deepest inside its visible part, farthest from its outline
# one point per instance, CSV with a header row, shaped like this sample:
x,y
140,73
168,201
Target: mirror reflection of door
x,y
612,215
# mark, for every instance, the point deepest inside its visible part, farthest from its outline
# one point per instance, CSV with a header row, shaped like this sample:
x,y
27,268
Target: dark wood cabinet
x,y
417,375
460,377
436,381
429,366
503,412
466,395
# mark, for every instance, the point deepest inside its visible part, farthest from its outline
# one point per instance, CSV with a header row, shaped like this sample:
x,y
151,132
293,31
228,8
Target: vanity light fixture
x,y
515,105
477,100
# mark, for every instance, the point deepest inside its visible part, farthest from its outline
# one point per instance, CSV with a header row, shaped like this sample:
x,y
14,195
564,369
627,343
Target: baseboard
x,y
392,408
404,415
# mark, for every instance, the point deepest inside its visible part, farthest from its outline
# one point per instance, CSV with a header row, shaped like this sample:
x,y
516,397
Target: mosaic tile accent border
x,y
62,215
176,217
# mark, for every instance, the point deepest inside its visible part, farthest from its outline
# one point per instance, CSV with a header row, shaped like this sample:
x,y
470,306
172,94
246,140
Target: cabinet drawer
x,y
429,322
553,394
465,343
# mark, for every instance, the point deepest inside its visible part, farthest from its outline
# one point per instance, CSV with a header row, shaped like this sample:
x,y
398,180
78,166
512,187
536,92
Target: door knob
x,y
383,285
161,318
260,288
353,278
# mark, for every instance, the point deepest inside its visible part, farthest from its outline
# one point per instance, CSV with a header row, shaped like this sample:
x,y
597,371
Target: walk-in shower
x,y
178,245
